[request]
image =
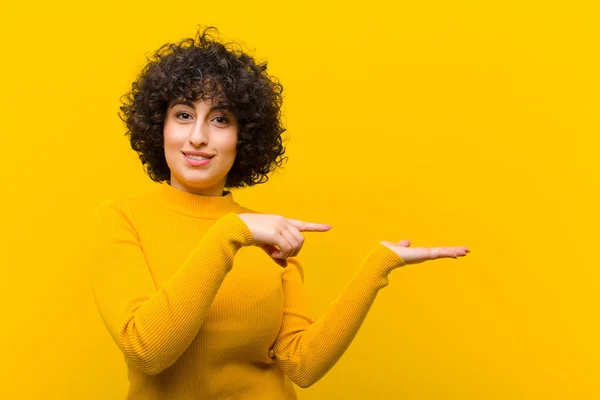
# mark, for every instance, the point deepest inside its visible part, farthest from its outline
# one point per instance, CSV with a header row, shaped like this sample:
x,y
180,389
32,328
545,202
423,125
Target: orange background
x,y
468,123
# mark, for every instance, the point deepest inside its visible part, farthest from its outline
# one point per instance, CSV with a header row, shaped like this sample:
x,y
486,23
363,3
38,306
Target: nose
x,y
199,134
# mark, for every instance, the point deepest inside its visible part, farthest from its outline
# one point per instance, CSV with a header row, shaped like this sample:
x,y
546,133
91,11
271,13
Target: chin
x,y
193,180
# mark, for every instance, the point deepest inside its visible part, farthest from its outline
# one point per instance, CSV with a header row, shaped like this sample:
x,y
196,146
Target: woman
x,y
204,297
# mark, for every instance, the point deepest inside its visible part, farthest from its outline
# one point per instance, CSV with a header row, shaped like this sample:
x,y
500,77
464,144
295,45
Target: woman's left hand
x,y
417,255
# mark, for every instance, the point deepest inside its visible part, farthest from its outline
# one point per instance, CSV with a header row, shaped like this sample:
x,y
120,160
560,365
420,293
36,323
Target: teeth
x,y
196,157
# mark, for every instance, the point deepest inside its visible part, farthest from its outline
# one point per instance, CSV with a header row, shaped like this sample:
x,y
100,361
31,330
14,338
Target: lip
x,y
197,153
196,163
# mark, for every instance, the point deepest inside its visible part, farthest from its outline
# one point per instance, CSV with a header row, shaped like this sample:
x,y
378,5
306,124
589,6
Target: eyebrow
x,y
219,106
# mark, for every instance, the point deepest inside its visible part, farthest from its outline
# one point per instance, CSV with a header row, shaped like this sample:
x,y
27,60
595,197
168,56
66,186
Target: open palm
x,y
417,255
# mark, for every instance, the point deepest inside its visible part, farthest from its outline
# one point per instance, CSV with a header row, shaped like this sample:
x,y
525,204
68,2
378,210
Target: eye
x,y
182,113
224,120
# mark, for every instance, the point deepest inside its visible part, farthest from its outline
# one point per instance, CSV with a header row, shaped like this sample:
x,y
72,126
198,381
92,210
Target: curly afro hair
x,y
202,67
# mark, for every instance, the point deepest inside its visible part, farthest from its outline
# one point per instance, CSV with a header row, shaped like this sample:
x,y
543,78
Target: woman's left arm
x,y
305,349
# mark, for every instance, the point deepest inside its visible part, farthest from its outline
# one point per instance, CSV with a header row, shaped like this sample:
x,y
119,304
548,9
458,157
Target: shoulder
x,y
110,210
117,207
110,203
122,203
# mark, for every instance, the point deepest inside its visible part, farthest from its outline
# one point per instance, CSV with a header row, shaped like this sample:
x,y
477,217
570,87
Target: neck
x,y
215,190
210,206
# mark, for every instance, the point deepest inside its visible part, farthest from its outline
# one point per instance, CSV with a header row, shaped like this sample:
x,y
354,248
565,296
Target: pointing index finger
x,y
304,226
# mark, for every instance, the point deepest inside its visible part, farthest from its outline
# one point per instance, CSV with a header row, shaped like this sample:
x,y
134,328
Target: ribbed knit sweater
x,y
199,312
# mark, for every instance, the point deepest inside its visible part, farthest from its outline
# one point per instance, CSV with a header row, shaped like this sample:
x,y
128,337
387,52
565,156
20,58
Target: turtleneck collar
x,y
195,205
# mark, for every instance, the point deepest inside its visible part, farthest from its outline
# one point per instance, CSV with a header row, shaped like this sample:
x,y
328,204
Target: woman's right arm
x,y
154,326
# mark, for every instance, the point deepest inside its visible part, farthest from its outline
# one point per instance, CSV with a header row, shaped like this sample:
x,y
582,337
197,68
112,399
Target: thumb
x,y
269,249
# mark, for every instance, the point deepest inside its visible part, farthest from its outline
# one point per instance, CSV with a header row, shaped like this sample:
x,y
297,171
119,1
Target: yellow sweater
x,y
200,313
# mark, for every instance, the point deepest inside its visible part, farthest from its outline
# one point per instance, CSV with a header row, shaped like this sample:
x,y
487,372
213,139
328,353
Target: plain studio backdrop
x,y
467,123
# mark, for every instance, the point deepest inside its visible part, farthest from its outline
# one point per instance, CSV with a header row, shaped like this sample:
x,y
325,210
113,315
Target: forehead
x,y
215,103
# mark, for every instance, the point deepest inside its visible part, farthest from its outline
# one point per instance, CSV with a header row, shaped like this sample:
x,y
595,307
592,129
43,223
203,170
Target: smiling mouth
x,y
198,162
199,158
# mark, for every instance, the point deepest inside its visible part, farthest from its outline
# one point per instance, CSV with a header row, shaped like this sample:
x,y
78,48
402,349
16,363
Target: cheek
x,y
233,146
172,139
230,144
167,135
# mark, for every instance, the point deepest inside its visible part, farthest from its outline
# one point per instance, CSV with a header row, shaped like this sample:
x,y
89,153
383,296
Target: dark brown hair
x,y
204,67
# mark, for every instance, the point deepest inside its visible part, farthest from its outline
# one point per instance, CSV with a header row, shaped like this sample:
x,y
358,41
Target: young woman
x,y
204,297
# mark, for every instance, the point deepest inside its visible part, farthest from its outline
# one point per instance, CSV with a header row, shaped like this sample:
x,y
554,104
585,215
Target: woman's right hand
x,y
270,230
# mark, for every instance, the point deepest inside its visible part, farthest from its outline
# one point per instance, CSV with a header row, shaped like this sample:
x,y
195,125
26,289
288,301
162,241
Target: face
x,y
199,126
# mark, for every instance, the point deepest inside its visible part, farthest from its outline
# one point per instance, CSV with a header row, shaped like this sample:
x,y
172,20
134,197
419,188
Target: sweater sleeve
x,y
306,350
153,325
